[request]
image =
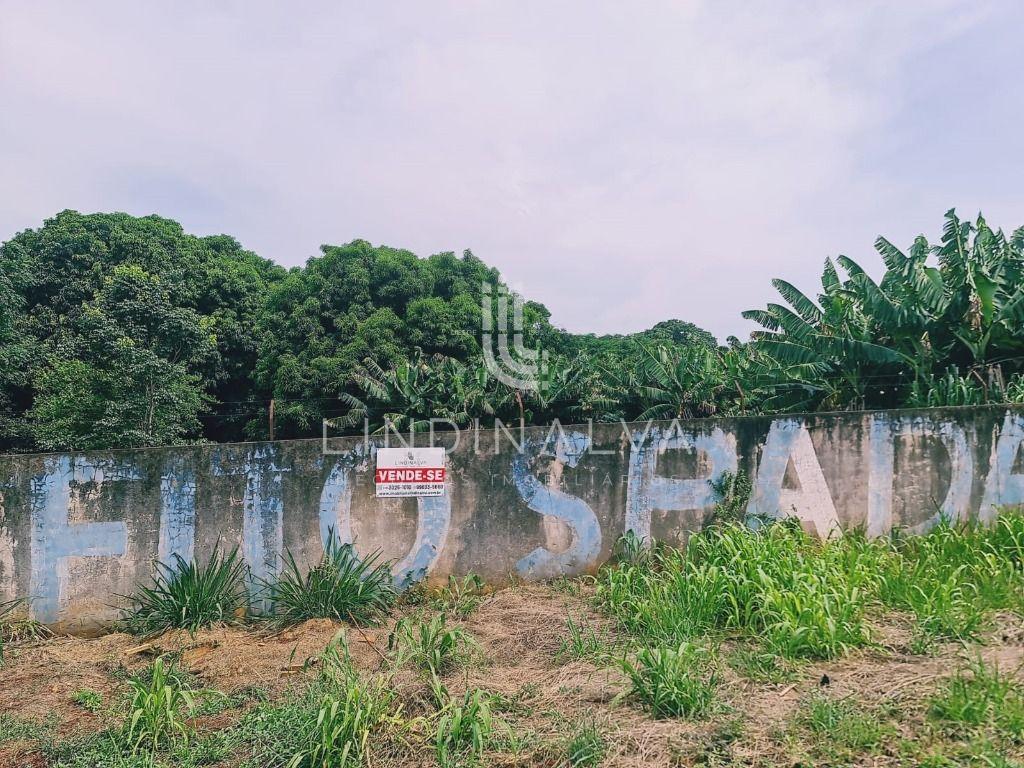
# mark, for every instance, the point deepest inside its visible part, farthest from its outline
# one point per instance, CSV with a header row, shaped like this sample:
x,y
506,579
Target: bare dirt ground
x,y
520,631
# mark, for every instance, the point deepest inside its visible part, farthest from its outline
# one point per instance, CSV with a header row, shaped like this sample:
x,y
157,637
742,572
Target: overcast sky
x,y
623,163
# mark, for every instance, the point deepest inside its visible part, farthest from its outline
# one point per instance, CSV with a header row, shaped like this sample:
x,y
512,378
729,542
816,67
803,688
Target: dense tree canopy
x,y
127,330
124,331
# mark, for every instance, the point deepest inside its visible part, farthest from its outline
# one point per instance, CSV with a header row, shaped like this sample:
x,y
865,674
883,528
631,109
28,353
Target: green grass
x,y
13,728
107,749
583,643
460,597
336,722
774,596
842,723
157,711
190,595
431,645
87,699
585,747
802,597
463,726
342,586
981,699
954,577
761,666
799,597
673,682
213,703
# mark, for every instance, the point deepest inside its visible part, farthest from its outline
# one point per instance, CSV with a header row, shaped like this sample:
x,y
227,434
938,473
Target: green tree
x,y
938,310
120,375
56,273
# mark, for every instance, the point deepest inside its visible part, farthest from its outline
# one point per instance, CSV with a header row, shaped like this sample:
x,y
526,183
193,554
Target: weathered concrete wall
x,y
78,530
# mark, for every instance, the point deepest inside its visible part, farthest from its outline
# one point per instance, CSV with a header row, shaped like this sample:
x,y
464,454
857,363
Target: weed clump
x,y
157,711
16,626
463,726
336,722
585,747
805,598
460,597
841,722
673,682
188,595
432,645
583,641
342,586
954,576
802,597
981,698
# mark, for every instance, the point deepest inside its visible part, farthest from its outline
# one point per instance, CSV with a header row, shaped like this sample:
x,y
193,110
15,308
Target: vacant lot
x,y
752,648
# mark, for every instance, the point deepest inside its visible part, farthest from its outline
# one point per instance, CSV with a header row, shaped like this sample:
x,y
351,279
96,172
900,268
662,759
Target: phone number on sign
x,y
410,489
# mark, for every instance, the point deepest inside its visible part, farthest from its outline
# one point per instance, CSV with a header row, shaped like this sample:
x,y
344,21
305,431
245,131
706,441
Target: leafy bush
x,y
430,645
733,490
673,682
190,596
342,586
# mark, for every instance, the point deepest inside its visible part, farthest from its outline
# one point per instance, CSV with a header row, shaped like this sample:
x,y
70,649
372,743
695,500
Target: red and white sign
x,y
410,472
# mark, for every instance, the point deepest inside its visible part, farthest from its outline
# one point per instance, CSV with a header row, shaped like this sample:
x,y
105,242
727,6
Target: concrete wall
x,y
78,530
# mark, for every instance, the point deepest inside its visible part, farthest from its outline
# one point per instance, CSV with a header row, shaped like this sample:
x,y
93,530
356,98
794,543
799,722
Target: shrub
x,y
190,596
342,586
733,490
673,682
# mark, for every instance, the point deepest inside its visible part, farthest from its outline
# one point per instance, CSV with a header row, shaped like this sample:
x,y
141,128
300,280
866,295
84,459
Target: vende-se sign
x,y
410,472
